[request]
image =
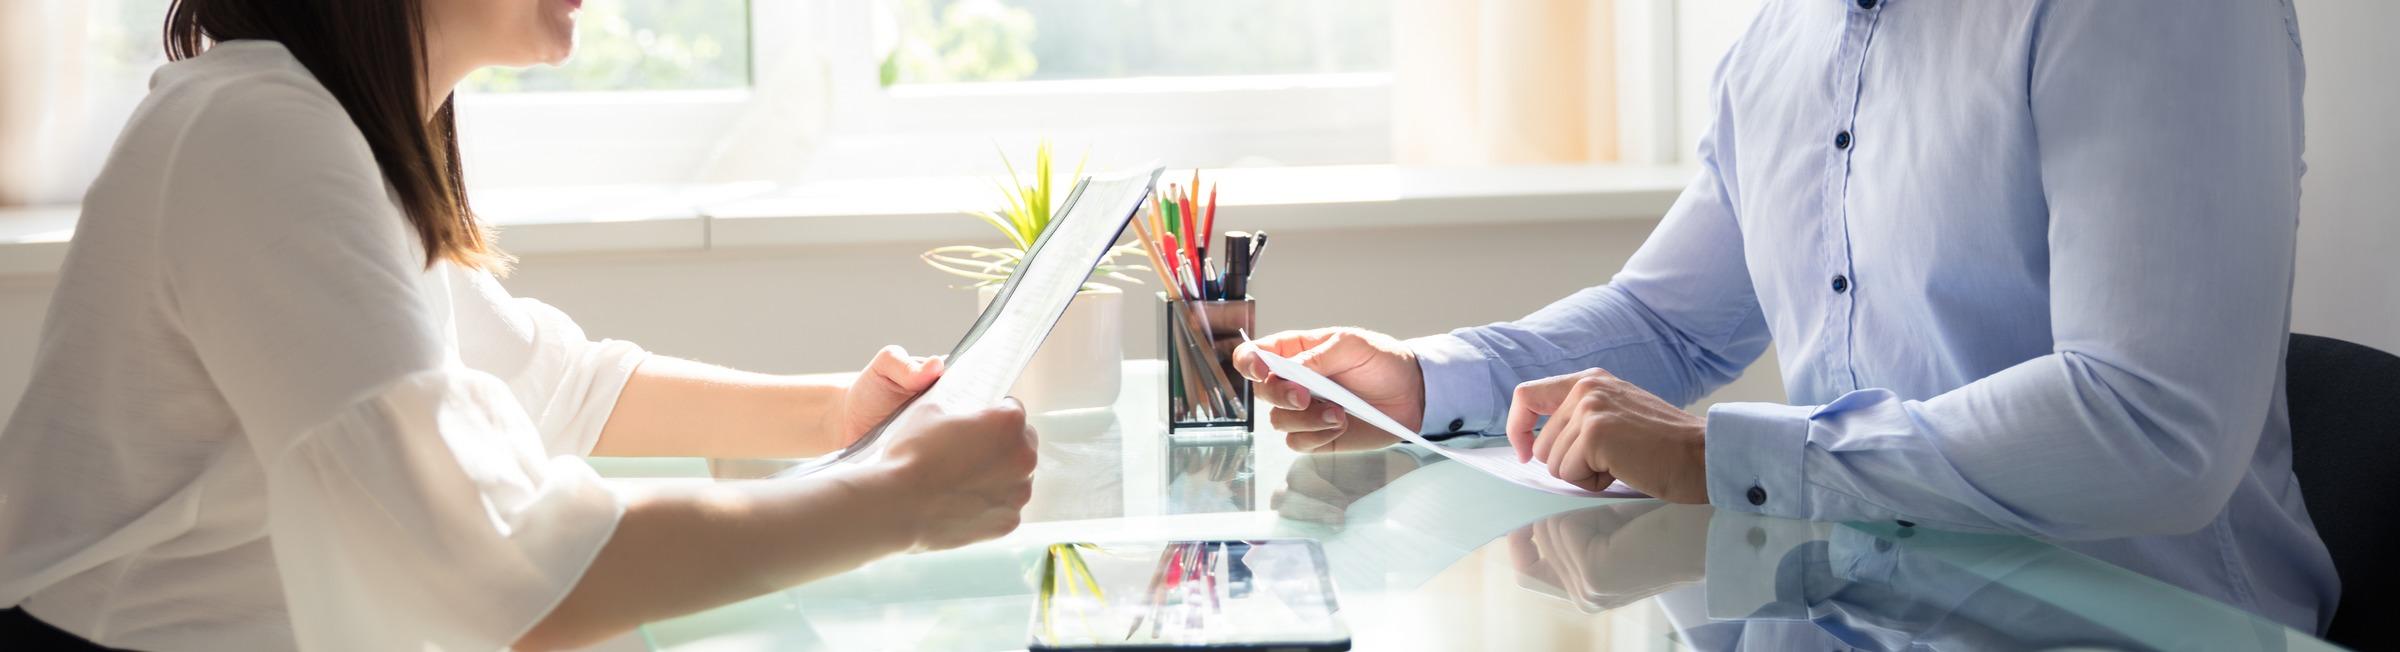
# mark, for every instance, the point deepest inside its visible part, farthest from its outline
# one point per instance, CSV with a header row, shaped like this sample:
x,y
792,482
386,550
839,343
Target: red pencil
x,y
1208,225
1174,265
1191,223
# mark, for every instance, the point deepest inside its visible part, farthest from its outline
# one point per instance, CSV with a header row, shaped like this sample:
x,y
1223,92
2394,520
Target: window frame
x,y
860,129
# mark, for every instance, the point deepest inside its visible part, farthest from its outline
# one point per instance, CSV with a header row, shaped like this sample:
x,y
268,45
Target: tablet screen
x,y
1272,594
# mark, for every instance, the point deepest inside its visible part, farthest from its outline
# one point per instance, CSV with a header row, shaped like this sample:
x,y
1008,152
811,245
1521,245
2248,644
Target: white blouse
x,y
258,421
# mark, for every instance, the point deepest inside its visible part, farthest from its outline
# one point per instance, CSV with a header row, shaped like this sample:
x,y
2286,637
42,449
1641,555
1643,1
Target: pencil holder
x,y
1203,390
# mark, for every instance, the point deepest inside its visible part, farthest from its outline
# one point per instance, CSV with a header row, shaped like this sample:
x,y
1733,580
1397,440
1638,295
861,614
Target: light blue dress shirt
x,y
2028,268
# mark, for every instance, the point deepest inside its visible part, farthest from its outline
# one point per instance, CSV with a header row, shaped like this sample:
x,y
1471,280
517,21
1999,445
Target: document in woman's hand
x,y
995,350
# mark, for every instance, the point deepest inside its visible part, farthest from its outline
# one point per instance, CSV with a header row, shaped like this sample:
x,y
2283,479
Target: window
x,y
1021,40
882,88
69,78
642,45
700,91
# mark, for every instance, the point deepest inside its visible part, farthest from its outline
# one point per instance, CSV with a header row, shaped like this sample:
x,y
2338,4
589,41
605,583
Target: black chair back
x,y
2345,409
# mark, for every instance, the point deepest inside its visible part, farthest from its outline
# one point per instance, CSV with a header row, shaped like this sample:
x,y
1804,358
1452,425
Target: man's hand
x,y
1320,488
1613,555
1375,366
890,379
1603,428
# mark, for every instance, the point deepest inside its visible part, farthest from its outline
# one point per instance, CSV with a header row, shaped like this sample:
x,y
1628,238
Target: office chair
x,y
2345,408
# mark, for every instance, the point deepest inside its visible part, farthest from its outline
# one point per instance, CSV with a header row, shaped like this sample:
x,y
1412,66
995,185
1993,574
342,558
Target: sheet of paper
x,y
982,374
1499,461
995,351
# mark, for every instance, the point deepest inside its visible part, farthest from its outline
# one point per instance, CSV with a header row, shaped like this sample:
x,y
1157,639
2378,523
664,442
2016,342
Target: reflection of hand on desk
x,y
1320,488
1609,556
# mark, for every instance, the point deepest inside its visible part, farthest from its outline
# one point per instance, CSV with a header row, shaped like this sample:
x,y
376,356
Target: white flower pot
x,y
1081,364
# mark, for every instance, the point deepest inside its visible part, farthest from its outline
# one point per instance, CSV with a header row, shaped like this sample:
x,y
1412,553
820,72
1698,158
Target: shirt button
x,y
1841,284
1457,425
1841,140
1758,495
1866,4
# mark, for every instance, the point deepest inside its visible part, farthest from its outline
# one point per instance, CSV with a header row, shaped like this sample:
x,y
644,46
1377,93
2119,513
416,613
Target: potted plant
x,y
1080,364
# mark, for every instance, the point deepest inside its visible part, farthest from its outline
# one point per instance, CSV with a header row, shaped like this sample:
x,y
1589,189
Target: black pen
x,y
1237,265
1258,247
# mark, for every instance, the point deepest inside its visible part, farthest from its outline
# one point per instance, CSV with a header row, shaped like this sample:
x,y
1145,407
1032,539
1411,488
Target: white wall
x,y
2349,269
822,309
827,309
780,310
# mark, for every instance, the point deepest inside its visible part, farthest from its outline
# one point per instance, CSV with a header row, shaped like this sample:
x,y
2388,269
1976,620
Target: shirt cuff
x,y
1754,458
1461,393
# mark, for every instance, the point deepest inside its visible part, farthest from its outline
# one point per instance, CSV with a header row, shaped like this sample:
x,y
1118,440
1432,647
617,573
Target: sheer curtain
x,y
1504,82
41,77
71,72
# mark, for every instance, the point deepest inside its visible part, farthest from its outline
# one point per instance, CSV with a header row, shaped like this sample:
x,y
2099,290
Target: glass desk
x,y
1429,554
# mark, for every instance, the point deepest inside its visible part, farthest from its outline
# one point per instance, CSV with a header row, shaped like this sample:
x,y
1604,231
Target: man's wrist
x,y
1462,394
1693,449
1753,461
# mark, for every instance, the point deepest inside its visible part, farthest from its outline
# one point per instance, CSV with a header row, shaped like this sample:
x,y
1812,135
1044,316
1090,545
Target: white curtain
x,y
1504,82
41,84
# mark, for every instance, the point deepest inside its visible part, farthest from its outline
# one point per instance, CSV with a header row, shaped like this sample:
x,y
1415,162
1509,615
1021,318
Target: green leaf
x,y
998,223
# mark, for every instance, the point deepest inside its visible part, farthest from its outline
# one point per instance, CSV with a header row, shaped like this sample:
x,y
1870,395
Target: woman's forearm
x,y
675,407
685,548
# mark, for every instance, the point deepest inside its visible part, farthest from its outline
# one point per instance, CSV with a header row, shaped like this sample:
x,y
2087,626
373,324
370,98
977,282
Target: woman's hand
x,y
1377,367
946,480
889,381
1603,429
960,477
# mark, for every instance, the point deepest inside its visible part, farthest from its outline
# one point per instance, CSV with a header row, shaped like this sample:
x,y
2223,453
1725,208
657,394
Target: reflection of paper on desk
x,y
1499,461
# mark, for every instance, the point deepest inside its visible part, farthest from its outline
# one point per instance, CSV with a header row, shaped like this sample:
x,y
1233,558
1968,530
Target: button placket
x,y
1850,62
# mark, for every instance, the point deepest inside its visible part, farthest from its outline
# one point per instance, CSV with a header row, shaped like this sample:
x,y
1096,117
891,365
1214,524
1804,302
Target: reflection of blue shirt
x,y
2028,266
1776,584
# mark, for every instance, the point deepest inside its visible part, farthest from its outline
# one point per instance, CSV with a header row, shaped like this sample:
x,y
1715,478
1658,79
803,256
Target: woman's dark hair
x,y
371,55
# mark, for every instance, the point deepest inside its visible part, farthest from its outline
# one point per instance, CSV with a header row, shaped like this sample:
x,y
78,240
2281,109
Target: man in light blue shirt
x,y
2027,265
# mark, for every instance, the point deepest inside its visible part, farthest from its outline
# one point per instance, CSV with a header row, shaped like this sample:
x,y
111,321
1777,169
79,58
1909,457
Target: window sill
x,y
623,219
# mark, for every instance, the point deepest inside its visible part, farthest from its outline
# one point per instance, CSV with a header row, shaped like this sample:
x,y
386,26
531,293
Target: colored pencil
x,y
1208,225
1191,223
1158,262
1174,225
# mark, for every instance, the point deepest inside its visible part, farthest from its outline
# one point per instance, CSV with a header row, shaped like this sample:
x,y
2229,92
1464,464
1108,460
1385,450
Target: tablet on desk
x,y
1263,595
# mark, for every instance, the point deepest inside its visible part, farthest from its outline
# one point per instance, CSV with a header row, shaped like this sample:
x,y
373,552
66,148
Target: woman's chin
x,y
559,51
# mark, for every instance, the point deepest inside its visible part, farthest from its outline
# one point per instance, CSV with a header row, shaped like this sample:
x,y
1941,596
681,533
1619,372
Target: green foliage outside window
x,y
628,45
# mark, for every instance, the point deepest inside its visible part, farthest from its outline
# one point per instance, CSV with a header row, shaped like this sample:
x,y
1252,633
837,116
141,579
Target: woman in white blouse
x,y
281,403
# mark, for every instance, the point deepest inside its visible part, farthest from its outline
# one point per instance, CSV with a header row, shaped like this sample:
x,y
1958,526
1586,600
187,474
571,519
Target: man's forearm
x,y
675,407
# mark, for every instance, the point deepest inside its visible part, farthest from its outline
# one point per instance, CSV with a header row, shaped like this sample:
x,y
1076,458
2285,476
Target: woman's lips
x,y
578,4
